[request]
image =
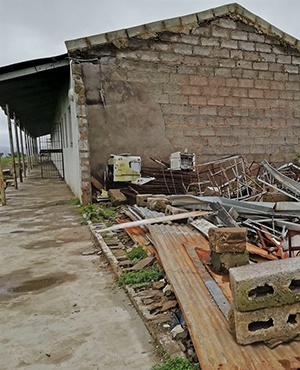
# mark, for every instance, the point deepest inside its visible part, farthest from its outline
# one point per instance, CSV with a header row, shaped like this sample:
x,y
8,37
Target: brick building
x,y
219,82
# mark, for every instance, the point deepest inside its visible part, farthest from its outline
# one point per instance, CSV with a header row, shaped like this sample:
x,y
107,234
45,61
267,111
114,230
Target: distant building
x,y
219,82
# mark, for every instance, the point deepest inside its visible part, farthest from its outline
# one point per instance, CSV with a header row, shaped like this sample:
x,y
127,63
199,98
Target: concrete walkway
x,y
59,309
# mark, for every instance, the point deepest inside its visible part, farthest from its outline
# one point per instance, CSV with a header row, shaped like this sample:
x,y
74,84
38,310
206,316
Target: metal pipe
x,y
18,148
22,149
11,147
2,186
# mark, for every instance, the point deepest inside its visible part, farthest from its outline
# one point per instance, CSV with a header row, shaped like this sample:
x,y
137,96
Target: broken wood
x,y
116,197
156,220
97,184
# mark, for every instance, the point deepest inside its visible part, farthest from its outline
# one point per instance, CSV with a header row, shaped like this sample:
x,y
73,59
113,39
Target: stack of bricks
x,y
266,302
228,248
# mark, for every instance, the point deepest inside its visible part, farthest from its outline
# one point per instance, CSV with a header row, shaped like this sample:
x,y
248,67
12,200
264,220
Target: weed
x,y
136,254
176,363
74,202
146,275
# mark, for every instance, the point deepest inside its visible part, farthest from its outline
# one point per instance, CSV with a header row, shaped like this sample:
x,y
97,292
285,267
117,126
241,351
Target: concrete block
x,y
173,210
228,239
222,262
157,204
271,325
269,284
141,199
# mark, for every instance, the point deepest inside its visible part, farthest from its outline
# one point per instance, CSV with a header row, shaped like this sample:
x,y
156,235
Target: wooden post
x,y
22,150
2,186
18,148
11,147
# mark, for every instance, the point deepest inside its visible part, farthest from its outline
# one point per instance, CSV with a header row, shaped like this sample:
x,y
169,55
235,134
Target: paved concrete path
x,y
59,309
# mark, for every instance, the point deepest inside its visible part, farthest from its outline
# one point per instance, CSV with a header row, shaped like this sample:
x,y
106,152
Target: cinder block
x,y
268,284
222,262
228,239
141,199
157,204
271,325
174,210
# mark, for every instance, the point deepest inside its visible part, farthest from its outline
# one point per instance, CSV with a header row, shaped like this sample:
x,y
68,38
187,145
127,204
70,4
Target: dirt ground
x,y
58,308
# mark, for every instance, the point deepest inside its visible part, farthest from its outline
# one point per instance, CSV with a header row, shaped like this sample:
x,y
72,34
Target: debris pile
x,y
225,260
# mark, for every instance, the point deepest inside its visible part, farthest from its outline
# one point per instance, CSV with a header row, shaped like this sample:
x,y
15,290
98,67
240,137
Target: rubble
x,y
200,239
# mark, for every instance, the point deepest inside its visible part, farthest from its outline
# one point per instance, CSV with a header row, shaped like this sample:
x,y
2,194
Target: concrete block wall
x,y
224,88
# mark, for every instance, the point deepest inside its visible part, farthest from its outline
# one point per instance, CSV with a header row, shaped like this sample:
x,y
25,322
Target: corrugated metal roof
x,y
215,346
183,25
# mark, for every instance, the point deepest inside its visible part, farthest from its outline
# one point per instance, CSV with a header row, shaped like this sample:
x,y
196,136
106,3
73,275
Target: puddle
x,y
42,244
34,285
37,285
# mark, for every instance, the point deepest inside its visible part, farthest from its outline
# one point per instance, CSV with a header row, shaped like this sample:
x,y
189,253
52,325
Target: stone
x,y
228,239
268,284
222,262
179,333
168,290
158,284
270,325
168,305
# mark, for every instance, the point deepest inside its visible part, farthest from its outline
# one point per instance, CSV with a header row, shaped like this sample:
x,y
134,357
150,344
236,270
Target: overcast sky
x,y
31,29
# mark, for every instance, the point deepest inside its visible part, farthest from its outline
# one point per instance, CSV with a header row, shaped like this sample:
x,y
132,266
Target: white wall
x,y
66,118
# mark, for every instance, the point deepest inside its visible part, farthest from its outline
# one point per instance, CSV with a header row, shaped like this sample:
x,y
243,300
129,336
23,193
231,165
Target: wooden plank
x,y
96,183
156,220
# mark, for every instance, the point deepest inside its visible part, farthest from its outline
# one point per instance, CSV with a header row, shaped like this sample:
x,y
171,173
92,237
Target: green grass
x,y
98,213
74,202
175,364
6,162
136,254
146,275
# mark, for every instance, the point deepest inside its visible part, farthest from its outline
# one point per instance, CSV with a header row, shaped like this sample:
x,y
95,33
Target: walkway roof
x,y
31,89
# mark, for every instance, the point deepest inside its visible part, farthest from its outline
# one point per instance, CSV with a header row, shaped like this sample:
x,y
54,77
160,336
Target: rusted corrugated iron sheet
x,y
215,346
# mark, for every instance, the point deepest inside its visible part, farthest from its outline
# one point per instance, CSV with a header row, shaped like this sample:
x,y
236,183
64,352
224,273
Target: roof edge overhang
x,y
32,66
31,90
183,24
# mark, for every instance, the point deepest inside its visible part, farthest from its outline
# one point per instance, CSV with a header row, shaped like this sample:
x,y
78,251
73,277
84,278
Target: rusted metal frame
x,y
2,185
18,148
165,181
278,189
251,223
22,149
11,147
289,184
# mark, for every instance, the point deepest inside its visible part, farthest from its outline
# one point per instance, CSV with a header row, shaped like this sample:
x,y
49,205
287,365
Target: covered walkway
x,y
58,308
